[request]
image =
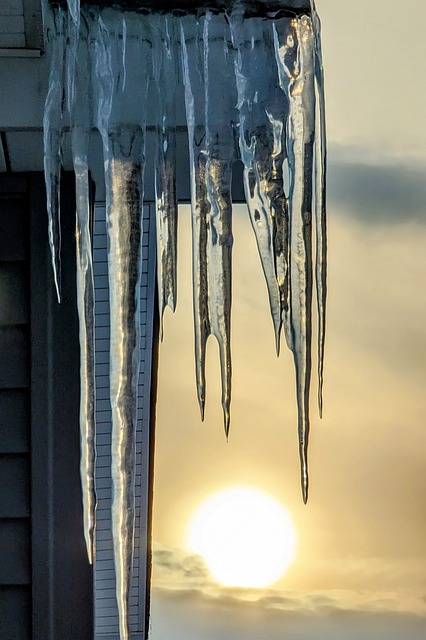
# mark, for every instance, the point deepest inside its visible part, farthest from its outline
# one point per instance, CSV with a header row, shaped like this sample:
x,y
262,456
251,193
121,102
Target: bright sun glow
x,y
245,536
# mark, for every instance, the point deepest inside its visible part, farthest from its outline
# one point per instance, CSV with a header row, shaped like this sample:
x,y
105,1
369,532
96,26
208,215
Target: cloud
x,y
180,575
177,570
191,615
377,194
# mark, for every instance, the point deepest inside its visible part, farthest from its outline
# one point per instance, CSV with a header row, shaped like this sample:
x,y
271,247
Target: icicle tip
x,y
278,341
201,403
57,286
305,483
89,547
305,491
226,423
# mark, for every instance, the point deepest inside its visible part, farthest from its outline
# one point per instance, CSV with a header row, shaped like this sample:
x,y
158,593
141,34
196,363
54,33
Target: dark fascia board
x,y
252,8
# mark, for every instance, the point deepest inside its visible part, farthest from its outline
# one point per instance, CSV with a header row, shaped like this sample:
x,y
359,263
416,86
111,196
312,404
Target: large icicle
x,y
210,94
55,32
295,44
263,113
164,71
121,122
79,90
124,210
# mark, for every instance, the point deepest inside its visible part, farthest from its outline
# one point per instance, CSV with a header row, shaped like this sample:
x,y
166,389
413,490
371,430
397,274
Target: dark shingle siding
x,y
15,467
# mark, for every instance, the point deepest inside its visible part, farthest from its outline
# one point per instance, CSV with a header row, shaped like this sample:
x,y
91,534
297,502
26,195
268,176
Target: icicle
x,y
295,59
85,303
209,94
220,96
320,203
74,11
121,122
100,61
124,51
54,22
263,112
79,94
164,71
199,207
124,215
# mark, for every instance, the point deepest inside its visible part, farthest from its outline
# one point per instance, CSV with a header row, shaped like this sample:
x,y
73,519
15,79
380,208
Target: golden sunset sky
x,y
360,566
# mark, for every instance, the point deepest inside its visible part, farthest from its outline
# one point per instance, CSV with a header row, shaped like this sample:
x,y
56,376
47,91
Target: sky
x,y
360,566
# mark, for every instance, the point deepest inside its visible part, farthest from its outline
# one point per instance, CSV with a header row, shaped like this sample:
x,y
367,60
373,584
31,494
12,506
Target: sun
x,y
245,536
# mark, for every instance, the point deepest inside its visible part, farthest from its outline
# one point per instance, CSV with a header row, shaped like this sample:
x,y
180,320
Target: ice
x,y
254,91
55,34
124,211
165,56
120,119
207,60
74,11
80,116
320,203
263,112
295,46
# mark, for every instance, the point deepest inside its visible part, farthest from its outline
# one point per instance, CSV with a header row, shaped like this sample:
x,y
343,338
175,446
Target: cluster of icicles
x,y
253,91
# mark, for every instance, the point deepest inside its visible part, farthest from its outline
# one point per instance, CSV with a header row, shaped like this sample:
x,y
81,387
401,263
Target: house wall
x,y
15,414
46,583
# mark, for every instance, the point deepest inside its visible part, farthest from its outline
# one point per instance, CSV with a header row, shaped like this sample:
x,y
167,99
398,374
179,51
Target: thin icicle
x,y
295,59
263,112
199,206
211,144
85,304
124,51
320,203
164,71
79,92
55,23
219,97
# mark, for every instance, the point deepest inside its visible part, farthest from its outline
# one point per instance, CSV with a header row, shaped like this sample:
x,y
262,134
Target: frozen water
x,y
253,91
206,57
78,87
165,59
295,58
263,112
320,201
119,108
52,123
